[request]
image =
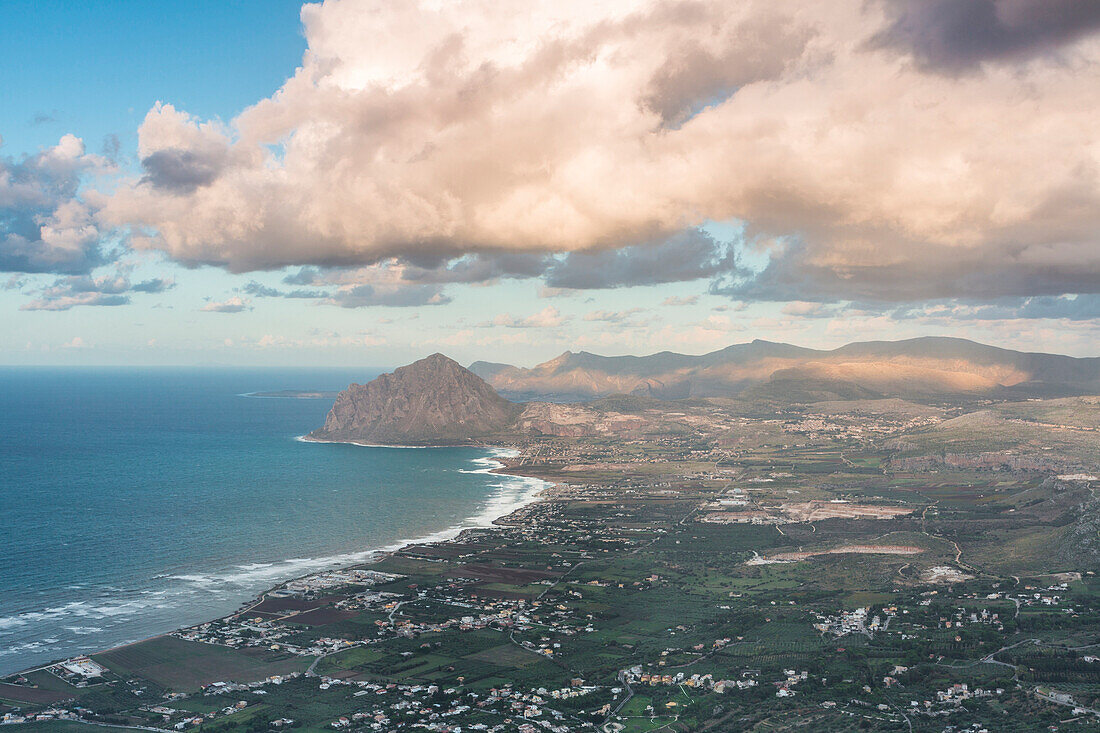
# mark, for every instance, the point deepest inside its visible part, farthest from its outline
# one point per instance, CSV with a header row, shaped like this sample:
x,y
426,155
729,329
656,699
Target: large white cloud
x,y
426,129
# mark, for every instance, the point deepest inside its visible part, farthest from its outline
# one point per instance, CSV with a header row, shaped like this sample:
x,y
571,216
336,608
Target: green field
x,y
176,664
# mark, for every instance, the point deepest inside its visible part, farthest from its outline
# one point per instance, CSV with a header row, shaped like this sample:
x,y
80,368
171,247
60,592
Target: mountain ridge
x,y
920,367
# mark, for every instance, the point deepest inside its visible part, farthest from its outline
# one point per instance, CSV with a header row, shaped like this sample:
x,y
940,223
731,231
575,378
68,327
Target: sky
x,y
363,182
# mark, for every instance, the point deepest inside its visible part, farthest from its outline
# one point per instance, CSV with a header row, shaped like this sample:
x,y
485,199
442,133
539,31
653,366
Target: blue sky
x,y
95,67
429,179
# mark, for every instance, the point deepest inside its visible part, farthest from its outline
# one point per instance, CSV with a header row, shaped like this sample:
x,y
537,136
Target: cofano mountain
x,y
434,401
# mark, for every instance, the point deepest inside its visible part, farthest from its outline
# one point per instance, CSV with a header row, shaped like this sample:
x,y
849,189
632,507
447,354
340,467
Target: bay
x,y
137,501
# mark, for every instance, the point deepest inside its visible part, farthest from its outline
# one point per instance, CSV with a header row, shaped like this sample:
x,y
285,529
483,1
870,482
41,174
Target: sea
x,y
137,501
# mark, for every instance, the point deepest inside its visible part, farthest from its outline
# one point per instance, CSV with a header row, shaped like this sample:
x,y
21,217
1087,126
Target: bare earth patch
x,y
944,574
813,511
843,550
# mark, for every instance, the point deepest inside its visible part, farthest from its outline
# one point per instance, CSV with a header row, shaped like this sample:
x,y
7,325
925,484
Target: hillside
x,y
922,368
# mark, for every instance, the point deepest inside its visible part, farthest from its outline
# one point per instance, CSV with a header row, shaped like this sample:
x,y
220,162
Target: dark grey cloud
x,y
304,276
408,286
362,296
929,273
343,288
155,285
1080,308
182,171
685,256
688,255
479,267
1071,308
265,291
84,290
797,271
957,35
261,290
44,228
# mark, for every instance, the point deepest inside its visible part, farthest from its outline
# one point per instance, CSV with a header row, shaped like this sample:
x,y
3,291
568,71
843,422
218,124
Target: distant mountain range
x,y
436,401
920,368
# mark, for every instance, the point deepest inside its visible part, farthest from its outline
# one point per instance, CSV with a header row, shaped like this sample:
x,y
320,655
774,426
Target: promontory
x,y
434,401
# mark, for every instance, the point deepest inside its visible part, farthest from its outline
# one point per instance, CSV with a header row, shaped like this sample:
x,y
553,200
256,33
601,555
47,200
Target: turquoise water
x,y
133,502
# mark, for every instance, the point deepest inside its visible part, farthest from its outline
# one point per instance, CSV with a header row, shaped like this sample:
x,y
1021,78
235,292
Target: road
x,y
629,694
311,670
397,607
1073,705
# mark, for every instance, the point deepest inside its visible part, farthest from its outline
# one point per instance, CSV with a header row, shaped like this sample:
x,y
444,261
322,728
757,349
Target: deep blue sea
x,y
136,501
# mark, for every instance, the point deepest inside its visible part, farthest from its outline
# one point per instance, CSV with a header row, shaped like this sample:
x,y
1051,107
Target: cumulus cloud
x,y
677,300
236,304
591,140
44,227
85,290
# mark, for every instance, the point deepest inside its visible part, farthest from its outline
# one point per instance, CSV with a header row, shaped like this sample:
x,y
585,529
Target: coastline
x,y
486,519
496,509
306,439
